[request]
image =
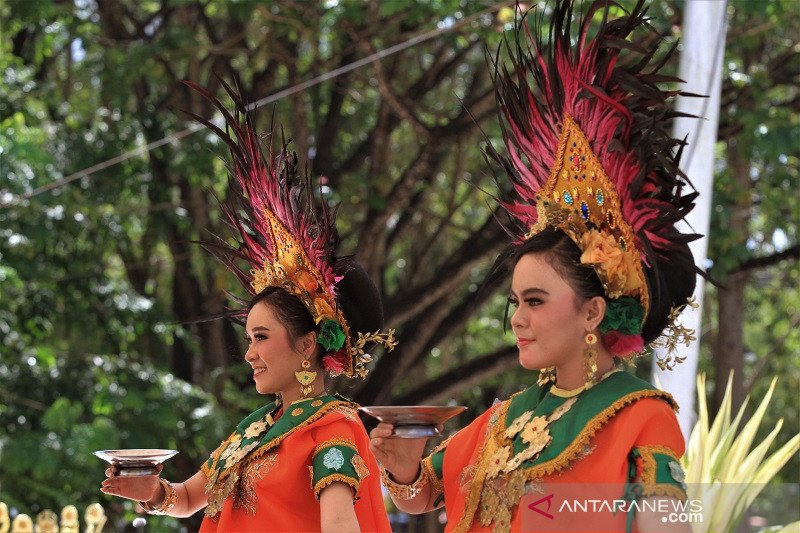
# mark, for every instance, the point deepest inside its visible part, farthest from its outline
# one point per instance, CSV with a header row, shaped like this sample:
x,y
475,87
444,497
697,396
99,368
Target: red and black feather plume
x,y
609,84
266,181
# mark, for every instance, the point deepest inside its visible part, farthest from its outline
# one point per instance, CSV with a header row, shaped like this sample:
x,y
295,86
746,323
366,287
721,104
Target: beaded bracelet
x,y
170,497
401,491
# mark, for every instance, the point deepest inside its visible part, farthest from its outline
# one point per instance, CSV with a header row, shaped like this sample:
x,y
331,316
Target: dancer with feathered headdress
x,y
591,184
301,462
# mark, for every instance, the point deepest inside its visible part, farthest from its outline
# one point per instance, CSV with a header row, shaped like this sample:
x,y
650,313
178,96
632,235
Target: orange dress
x,y
267,476
515,466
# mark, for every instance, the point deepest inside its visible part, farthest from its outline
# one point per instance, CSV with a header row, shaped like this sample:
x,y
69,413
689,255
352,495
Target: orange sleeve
x,y
657,450
336,456
660,425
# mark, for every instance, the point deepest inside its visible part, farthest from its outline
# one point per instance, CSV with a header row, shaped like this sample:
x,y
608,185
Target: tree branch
x,y
755,263
486,241
451,383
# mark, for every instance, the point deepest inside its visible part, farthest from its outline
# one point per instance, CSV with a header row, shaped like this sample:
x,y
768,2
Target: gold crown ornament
x,y
589,151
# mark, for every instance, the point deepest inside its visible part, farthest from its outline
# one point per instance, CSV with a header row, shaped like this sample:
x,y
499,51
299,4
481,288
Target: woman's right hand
x,y
137,488
399,456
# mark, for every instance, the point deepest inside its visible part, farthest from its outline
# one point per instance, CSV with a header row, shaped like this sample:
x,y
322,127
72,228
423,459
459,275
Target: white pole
x,y
702,52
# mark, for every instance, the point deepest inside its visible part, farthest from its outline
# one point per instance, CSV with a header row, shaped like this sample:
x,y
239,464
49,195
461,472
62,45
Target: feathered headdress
x,y
589,152
285,236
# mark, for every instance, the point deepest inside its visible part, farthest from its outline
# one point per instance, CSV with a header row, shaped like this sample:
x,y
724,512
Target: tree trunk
x,y
729,350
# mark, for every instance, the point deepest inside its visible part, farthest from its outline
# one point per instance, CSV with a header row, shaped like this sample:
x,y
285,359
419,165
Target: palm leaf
x,y
721,468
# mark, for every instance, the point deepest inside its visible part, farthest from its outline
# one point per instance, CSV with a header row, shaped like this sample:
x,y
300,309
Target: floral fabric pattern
x,y
334,459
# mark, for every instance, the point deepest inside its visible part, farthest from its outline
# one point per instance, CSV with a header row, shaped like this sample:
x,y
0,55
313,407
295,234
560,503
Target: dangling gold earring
x,y
306,379
546,375
591,358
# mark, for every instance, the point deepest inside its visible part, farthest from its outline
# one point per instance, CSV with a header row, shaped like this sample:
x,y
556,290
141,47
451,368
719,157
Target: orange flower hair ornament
x,y
285,236
588,151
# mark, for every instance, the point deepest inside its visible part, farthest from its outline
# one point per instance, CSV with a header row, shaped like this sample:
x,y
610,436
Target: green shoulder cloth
x,y
254,436
577,419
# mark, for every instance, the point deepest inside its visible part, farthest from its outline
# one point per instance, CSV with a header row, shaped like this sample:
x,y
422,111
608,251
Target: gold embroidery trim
x,y
334,442
442,445
558,463
246,495
437,485
348,412
651,486
664,489
277,440
225,488
466,477
487,450
333,478
361,468
649,461
208,470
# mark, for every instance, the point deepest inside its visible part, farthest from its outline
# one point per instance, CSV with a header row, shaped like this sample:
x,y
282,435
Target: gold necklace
x,y
307,398
569,393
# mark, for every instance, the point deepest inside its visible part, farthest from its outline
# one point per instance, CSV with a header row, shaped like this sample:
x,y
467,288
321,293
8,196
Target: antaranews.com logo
x,y
562,508
601,508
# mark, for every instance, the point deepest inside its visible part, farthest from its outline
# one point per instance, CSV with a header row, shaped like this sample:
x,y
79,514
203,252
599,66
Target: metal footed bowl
x,y
414,421
136,461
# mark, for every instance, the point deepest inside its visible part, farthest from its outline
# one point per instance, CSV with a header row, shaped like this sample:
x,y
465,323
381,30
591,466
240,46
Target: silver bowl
x,y
414,421
136,461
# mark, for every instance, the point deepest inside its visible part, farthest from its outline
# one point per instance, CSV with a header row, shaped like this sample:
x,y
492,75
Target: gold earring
x,y
591,357
546,375
306,378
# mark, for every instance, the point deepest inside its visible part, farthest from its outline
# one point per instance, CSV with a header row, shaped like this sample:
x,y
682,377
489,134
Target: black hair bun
x,y
359,300
671,281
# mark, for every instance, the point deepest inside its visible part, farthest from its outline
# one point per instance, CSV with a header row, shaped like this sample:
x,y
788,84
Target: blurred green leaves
x,y
54,416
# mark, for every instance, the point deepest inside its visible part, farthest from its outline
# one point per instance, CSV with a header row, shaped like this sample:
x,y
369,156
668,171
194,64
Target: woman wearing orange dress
x,y
598,272
301,462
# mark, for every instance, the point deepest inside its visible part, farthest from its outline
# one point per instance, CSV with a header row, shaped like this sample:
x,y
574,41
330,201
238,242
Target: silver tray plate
x,y
136,461
414,421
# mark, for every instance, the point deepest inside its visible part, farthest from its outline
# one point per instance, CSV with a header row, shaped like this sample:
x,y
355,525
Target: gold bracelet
x,y
401,491
170,497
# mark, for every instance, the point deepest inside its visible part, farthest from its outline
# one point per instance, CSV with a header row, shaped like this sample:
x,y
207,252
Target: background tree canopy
x,y
99,282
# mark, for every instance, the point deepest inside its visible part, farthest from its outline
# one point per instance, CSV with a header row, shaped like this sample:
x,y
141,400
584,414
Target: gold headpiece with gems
x,y
589,152
579,199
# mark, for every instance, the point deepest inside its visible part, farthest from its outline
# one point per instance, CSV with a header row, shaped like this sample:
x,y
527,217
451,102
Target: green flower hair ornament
x,y
624,315
331,336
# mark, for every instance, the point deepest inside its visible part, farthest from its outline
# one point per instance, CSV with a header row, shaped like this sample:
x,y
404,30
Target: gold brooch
x,y
255,429
517,425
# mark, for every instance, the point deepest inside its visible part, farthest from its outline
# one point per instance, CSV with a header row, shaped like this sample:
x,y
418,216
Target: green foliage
x,y
54,415
721,469
757,217
760,65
